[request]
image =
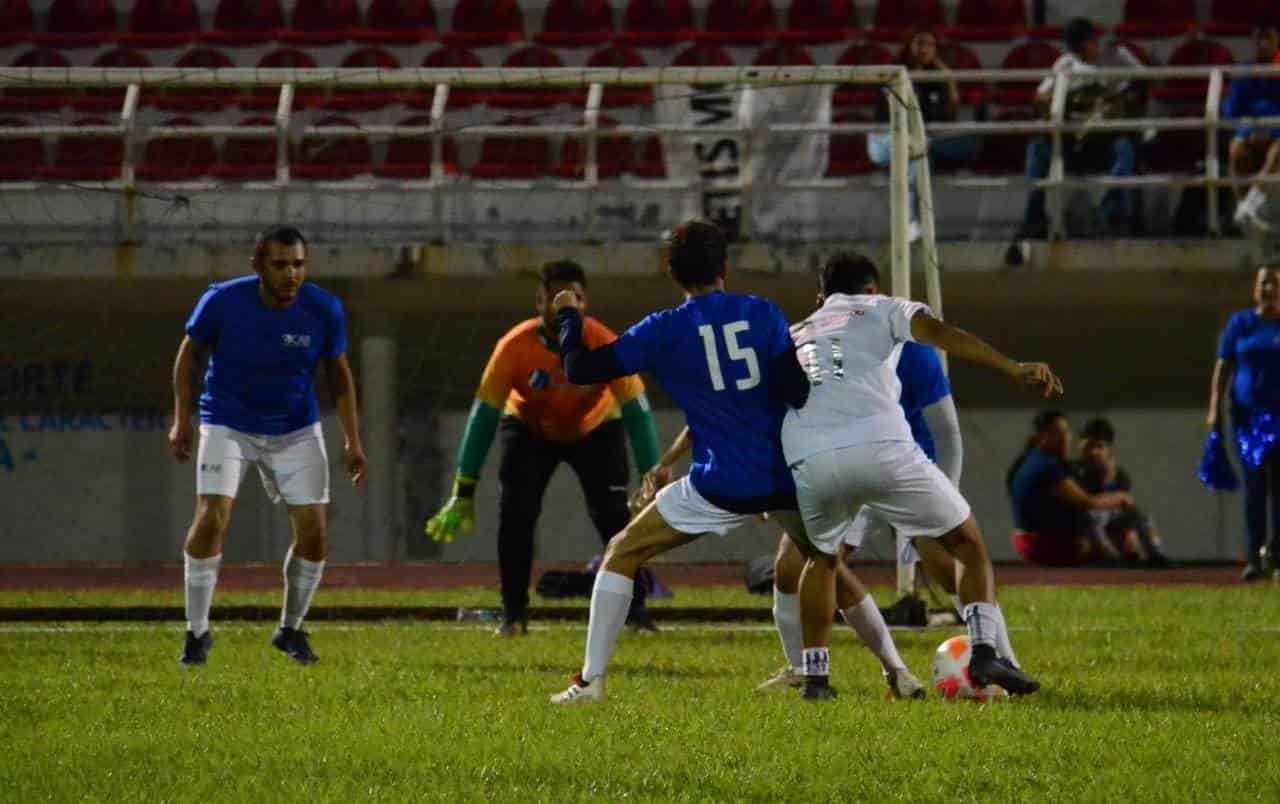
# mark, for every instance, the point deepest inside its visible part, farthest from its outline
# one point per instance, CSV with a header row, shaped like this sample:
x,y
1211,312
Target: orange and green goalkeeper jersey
x,y
524,379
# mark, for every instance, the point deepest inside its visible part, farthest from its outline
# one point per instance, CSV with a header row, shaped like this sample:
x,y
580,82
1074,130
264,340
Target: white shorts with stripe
x,y
687,511
294,467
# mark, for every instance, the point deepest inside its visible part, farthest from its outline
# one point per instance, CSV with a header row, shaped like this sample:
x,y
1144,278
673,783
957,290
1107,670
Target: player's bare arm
x,y
1223,372
660,475
342,389
967,346
185,366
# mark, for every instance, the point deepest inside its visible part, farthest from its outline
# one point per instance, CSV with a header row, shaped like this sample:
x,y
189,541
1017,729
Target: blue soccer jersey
x,y
923,383
713,355
262,363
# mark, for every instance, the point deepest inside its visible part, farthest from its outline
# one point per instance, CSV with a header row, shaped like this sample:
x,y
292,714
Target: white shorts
x,y
294,466
687,511
893,479
870,526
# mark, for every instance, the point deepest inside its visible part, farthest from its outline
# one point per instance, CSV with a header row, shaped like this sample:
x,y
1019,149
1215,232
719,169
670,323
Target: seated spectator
x,y
1254,151
939,101
1087,152
1129,532
1050,508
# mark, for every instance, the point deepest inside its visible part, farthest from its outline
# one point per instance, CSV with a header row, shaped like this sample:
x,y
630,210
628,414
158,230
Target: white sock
x,y
786,618
610,600
982,620
1003,647
959,607
817,662
865,618
1255,199
200,576
301,577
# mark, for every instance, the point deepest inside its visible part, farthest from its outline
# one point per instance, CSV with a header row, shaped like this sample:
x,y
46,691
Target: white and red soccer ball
x,y
951,674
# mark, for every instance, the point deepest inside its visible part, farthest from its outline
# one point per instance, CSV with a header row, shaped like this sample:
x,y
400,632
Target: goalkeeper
x,y
544,421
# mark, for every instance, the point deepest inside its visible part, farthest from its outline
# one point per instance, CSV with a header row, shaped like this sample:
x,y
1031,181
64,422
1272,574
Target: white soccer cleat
x,y
903,685
785,680
580,692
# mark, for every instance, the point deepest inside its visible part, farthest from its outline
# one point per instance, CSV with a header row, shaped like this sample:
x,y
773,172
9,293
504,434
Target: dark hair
x,y
280,235
696,253
848,272
1099,430
562,271
1039,425
904,55
1078,33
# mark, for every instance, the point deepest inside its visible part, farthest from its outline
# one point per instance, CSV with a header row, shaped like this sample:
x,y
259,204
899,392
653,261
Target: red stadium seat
x,y
363,100
398,22
486,22
703,54
250,158
325,158
162,23
621,57
245,22
110,100
20,158
861,56
21,99
409,157
1196,52
194,100
178,158
17,23
1177,152
531,56
79,23
847,155
86,157
895,18
1027,56
1157,19
989,21
576,23
814,21
512,157
783,54
740,22
449,56
322,22
614,153
1236,17
657,22
267,98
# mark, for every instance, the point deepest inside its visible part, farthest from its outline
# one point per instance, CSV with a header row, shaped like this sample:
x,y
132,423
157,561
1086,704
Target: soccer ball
x,y
951,674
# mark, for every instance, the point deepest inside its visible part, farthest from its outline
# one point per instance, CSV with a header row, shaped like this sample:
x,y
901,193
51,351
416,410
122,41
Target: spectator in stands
x,y
1254,151
1129,532
939,102
1087,98
1249,367
1049,506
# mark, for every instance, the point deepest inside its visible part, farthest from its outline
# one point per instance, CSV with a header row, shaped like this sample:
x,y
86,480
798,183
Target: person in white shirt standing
x,y
851,446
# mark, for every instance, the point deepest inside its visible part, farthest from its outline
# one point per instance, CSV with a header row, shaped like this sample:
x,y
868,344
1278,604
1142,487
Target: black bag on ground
x,y
759,575
561,584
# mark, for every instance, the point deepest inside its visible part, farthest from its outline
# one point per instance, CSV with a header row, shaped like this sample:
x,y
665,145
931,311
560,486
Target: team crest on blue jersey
x,y
297,341
539,379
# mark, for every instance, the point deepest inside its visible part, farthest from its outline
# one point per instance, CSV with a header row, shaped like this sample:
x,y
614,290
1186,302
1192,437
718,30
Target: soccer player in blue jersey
x,y
263,335
729,363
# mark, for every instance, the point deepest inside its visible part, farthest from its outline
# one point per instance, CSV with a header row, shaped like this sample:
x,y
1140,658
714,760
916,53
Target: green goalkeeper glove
x,y
458,514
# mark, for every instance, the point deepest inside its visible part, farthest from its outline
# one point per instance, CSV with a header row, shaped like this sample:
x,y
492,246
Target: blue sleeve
x,y
637,347
777,332
1227,346
931,382
204,324
336,332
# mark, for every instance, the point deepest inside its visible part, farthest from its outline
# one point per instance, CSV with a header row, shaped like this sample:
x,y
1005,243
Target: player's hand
x,y
1040,377
566,298
180,436
459,514
357,464
653,481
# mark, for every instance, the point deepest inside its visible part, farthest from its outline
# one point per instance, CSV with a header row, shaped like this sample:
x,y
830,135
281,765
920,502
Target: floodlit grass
x,y
1150,694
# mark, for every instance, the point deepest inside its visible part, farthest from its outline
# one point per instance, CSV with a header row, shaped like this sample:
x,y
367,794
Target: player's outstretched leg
x,y
860,611
647,536
201,558
303,568
787,566
976,585
940,566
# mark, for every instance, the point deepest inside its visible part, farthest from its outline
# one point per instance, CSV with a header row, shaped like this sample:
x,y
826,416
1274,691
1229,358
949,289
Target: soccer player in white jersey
x,y
850,446
263,334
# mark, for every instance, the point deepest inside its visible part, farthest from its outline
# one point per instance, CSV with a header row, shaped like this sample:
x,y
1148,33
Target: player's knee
x,y
787,566
211,521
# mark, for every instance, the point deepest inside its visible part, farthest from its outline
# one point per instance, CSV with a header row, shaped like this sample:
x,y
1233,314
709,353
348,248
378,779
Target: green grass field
x,y
1149,694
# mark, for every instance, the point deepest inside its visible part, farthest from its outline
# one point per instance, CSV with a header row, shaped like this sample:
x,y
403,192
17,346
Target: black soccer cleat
x,y
293,643
907,612
986,668
1252,572
817,688
195,650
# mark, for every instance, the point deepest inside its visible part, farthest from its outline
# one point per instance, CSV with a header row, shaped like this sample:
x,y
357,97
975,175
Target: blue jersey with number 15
x,y
712,354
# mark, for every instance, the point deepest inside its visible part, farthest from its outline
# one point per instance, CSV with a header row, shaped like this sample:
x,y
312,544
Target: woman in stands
x,y
1249,366
939,103
1050,508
